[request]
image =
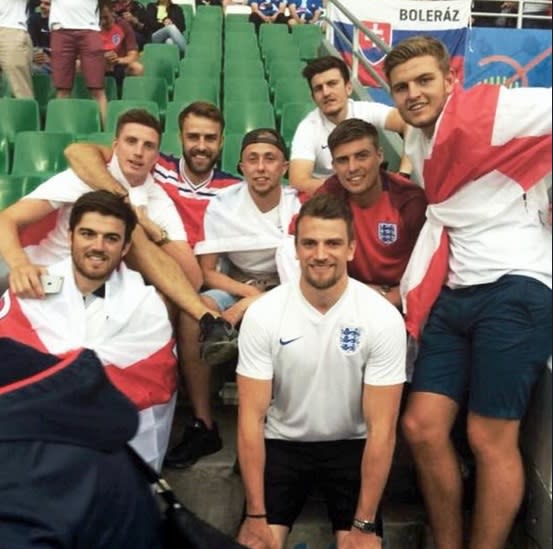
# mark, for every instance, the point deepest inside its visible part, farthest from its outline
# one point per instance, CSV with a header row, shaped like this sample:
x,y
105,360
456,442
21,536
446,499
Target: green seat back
x,y
145,88
292,115
17,115
80,91
118,107
99,138
196,89
231,153
43,91
242,117
40,152
290,91
170,143
72,116
245,89
11,190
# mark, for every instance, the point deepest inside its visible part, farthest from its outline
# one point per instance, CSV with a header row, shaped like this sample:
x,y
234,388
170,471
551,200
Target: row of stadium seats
x,y
251,80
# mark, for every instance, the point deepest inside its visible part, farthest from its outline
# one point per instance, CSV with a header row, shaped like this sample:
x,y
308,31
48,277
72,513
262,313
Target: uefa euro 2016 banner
x,y
395,20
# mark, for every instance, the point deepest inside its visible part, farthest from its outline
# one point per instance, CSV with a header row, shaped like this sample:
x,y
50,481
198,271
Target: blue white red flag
x,y
394,20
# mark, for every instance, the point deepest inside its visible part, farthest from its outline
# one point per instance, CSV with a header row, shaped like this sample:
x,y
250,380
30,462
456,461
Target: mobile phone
x,y
51,284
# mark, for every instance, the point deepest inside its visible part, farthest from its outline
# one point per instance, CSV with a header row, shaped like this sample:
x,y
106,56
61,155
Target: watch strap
x,y
366,526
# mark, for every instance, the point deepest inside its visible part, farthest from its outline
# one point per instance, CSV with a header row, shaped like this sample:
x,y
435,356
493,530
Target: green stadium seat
x,y
80,91
5,155
283,70
161,61
287,50
238,69
100,138
272,33
231,153
43,91
11,190
211,12
116,108
308,38
241,118
188,12
245,89
174,108
171,144
290,91
292,115
232,19
30,182
196,89
72,116
245,39
18,115
144,88
193,67
40,152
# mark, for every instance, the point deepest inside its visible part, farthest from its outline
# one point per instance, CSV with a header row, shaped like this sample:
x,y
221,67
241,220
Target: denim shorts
x,y
223,299
489,342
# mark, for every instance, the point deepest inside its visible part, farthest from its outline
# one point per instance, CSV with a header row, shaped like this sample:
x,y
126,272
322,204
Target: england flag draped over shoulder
x,y
394,20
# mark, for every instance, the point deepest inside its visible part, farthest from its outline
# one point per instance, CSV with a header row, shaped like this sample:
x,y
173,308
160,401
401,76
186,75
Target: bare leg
x,y
100,96
499,479
427,424
62,94
163,272
196,373
280,533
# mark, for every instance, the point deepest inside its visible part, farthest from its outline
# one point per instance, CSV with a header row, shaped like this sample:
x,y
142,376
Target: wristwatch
x,y
366,526
164,238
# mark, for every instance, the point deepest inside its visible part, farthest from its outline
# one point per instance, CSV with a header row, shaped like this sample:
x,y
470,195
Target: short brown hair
x,y
323,64
104,203
138,116
202,109
326,206
417,46
350,130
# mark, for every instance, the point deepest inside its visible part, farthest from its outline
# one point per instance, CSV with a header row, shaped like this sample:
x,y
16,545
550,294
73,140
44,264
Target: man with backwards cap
x,y
246,230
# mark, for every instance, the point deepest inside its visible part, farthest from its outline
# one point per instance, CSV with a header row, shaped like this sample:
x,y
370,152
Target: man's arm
x,y
221,281
300,175
89,161
131,57
254,396
255,9
161,270
395,123
24,276
179,250
381,410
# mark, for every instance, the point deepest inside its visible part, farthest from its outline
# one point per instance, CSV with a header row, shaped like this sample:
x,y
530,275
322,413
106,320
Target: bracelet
x,y
248,515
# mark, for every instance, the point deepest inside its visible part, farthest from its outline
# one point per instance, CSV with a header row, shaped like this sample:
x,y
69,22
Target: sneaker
x,y
197,441
218,340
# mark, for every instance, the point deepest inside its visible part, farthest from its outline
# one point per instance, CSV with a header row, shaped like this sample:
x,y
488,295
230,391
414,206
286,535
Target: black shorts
x,y
293,469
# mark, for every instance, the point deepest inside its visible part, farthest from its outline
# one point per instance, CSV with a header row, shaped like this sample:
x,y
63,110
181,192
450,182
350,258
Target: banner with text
x,y
395,20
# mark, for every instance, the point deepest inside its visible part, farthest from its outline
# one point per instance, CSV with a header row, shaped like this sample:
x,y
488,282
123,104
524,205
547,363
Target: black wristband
x,y
248,515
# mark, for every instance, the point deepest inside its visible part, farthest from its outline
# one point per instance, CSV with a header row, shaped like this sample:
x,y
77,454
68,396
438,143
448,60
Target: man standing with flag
x,y
479,279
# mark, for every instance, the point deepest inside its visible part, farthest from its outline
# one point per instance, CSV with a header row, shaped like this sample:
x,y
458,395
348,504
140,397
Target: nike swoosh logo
x,y
286,341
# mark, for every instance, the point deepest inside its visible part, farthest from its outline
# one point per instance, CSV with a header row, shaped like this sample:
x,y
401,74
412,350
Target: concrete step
x,y
212,488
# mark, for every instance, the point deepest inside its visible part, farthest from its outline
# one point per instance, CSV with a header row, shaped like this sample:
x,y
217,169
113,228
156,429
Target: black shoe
x,y
197,441
218,340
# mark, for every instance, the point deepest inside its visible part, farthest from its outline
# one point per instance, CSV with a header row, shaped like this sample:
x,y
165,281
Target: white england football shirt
x,y
319,362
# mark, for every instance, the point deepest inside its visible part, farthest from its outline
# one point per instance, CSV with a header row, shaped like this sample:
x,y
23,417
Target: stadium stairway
x,y
212,489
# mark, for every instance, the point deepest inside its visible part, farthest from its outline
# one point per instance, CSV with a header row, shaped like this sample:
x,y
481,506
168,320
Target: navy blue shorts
x,y
293,469
490,341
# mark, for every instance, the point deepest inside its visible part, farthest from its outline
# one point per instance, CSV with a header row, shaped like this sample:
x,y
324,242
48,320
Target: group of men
x,y
317,289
